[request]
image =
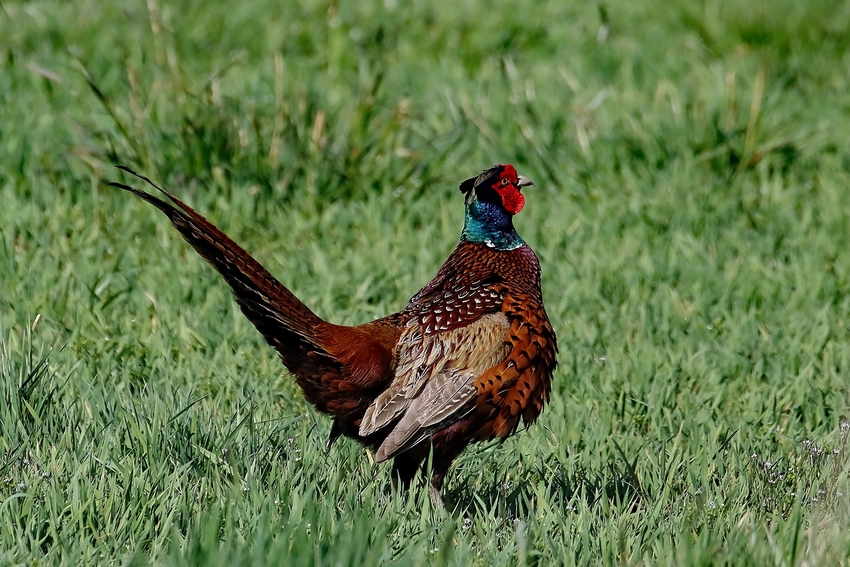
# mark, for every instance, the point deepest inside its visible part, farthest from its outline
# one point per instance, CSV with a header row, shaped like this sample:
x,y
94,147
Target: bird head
x,y
499,185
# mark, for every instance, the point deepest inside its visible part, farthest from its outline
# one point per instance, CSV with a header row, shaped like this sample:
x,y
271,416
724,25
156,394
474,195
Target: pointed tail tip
x,y
119,185
146,179
125,168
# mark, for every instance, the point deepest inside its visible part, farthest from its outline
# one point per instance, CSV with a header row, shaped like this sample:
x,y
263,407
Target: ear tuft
x,y
468,185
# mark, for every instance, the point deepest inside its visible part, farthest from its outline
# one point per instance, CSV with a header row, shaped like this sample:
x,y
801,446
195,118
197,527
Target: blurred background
x,y
690,213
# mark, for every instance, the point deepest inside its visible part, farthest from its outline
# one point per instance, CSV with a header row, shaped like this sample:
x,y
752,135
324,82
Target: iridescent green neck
x,y
490,224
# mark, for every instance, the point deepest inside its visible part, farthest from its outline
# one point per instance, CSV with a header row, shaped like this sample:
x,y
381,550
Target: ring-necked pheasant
x,y
471,354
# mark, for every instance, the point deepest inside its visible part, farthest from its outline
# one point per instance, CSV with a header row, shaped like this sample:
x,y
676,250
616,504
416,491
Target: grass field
x,y
690,212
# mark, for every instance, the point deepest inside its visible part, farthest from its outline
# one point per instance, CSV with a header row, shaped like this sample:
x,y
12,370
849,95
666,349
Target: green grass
x,y
691,215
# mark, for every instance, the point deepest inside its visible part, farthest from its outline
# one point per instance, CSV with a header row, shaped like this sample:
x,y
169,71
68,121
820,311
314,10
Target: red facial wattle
x,y
512,199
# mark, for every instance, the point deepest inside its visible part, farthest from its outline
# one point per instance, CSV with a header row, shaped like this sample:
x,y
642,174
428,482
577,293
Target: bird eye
x,y
504,182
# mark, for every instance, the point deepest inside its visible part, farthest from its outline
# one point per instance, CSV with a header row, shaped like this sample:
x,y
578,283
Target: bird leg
x,y
438,473
436,498
405,467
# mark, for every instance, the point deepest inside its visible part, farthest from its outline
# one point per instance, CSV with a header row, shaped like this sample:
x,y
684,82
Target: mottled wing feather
x,y
433,311
421,356
443,400
449,395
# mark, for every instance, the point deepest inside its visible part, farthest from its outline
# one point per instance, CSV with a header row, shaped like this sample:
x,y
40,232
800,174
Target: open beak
x,y
523,181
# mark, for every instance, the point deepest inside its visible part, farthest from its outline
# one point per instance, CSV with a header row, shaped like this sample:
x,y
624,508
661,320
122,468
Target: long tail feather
x,y
282,318
335,366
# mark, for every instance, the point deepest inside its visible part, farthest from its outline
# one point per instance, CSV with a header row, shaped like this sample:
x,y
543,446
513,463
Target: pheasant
x,y
471,354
